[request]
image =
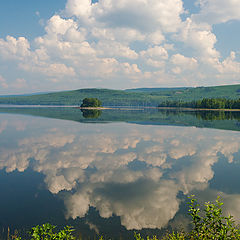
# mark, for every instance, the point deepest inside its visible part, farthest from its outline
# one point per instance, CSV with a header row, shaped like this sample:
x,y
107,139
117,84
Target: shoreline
x,y
93,108
119,107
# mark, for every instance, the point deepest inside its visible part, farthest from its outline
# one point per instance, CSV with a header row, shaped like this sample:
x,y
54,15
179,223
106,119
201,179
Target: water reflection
x,y
93,113
204,114
218,115
228,120
121,169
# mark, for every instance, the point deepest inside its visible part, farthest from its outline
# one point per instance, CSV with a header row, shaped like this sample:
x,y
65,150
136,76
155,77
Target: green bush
x,y
47,232
212,224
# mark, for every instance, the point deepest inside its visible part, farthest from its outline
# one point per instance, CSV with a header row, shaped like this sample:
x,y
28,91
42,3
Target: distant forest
x,y
130,97
208,103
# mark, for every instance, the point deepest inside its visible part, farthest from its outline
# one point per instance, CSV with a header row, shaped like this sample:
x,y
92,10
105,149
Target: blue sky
x,y
71,44
22,18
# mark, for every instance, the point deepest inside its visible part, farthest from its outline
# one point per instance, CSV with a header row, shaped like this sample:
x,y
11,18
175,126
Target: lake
x,y
117,171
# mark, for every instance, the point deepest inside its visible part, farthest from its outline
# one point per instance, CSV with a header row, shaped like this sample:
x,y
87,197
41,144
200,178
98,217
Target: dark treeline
x,y
209,103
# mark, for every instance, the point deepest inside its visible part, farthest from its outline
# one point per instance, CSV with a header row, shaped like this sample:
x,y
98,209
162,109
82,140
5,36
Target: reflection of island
x,y
91,113
132,171
209,119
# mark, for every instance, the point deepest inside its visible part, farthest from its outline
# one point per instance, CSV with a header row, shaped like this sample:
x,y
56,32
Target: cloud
x,y
3,82
14,48
155,56
115,49
125,44
81,9
142,15
218,11
53,70
58,25
156,52
200,38
230,65
19,83
184,63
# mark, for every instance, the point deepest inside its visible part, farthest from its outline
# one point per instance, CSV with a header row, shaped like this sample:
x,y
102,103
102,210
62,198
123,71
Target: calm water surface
x,y
112,178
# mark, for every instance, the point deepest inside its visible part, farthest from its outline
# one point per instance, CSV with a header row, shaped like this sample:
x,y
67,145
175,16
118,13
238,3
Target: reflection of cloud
x,y
150,206
131,171
18,125
227,149
78,205
153,155
232,205
3,125
142,204
196,175
93,227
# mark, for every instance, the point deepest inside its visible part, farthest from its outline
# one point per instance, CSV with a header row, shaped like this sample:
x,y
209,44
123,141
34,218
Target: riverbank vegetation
x,y
205,103
207,223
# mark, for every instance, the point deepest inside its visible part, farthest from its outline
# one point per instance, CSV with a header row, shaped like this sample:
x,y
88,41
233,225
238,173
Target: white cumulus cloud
x,y
218,11
122,44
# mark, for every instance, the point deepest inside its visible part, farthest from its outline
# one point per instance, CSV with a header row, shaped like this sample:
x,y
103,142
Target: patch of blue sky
x,y
228,37
23,17
190,7
139,46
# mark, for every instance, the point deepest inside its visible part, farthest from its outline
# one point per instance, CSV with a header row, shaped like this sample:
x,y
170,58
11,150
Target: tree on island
x,y
91,102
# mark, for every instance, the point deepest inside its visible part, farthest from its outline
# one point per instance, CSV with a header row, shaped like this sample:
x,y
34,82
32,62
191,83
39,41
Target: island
x,y
91,103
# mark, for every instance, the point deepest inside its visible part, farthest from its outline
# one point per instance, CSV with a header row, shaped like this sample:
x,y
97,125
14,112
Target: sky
x,y
71,44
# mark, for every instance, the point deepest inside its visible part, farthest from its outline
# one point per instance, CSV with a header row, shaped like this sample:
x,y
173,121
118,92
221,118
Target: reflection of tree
x,y
91,113
217,115
204,115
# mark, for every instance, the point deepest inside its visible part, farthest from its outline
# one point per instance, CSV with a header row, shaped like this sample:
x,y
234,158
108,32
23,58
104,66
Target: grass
x,y
207,223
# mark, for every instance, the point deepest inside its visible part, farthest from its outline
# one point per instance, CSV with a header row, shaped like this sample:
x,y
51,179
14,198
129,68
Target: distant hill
x,y
149,90
129,97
